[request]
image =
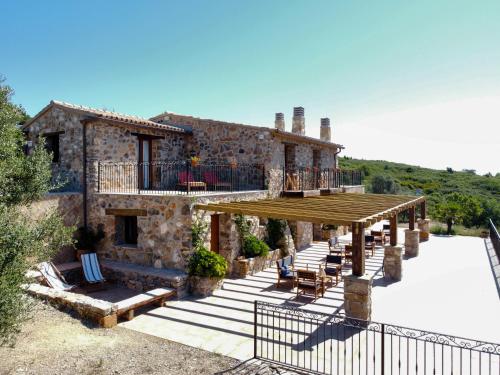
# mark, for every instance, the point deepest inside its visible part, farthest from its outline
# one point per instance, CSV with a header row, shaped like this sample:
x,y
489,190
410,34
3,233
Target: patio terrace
x,y
449,287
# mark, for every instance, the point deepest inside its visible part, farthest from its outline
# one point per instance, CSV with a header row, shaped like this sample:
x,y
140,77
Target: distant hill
x,y
433,183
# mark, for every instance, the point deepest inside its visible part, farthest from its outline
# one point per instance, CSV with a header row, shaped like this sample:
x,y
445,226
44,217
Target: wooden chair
x,y
370,244
53,278
379,236
348,253
387,231
334,245
308,282
333,267
285,269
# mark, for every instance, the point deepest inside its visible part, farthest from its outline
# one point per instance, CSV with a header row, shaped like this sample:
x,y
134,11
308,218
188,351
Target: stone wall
x,y
164,234
69,206
70,165
249,266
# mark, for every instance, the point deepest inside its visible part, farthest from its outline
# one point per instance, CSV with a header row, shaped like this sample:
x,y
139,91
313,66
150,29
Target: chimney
x,y
325,130
279,121
298,121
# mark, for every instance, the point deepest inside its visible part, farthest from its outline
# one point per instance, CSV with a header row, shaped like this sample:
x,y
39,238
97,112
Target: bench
x,y
128,306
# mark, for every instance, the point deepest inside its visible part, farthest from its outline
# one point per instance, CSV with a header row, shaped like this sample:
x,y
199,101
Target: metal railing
x,y
494,237
334,344
178,177
304,178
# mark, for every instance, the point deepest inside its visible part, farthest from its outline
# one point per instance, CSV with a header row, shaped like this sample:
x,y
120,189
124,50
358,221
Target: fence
x,y
177,177
300,179
494,237
333,344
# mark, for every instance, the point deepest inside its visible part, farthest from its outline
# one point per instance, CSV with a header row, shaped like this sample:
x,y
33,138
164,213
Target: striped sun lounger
x,y
91,269
53,278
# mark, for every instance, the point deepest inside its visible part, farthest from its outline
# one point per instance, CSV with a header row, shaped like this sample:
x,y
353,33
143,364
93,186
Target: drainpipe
x,y
335,156
84,149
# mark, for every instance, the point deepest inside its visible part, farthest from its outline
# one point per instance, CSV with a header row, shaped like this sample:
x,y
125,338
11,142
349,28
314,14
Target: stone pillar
x,y
423,227
411,242
357,296
393,263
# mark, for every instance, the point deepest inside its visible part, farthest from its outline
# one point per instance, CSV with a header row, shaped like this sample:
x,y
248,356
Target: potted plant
x,y
206,271
195,160
233,163
87,239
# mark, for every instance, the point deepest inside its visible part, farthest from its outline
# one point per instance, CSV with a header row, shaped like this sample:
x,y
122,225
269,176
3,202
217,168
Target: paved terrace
x,y
449,288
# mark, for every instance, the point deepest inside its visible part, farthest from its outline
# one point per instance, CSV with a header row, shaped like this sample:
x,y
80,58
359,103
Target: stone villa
x,y
138,179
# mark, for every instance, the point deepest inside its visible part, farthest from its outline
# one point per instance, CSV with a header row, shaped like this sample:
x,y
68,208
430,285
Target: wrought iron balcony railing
x,y
178,177
305,178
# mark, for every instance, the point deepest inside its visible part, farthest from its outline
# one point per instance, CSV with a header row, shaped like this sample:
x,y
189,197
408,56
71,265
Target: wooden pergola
x,y
357,210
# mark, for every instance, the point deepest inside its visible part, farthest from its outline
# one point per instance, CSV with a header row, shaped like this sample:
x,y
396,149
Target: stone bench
x,y
142,278
128,306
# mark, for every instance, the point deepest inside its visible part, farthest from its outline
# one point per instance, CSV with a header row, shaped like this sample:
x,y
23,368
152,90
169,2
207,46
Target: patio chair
x,y
370,244
214,182
333,267
379,236
308,282
186,180
92,270
285,269
348,253
334,243
53,277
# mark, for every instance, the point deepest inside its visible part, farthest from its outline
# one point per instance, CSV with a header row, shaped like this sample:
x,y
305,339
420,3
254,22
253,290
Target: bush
x,y
87,239
384,184
253,247
205,263
198,231
438,229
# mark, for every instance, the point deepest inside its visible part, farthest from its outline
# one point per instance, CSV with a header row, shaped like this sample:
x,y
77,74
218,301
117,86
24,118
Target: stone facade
x,y
411,242
357,296
393,263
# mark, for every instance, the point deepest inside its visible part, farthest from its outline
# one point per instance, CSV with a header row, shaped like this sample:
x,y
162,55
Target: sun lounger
x,y
53,277
91,269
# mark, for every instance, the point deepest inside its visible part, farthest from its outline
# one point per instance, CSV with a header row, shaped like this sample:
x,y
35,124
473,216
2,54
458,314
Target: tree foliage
x,y
437,185
23,242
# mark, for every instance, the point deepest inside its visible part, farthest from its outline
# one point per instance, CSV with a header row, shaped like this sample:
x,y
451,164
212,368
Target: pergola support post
x,y
411,235
423,223
358,286
393,254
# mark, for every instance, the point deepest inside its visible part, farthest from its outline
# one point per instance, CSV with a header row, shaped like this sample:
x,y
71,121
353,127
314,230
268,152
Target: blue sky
x,y
373,67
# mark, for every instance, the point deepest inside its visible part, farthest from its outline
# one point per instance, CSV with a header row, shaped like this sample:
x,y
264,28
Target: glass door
x,y
145,163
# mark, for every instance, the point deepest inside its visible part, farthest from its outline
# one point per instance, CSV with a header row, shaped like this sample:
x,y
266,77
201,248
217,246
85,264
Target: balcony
x,y
177,178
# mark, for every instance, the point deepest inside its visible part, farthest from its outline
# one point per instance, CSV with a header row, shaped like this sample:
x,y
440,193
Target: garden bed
x,y
249,266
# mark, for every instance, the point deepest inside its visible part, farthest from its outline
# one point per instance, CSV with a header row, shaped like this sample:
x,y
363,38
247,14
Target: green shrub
x,y
438,229
87,239
206,263
198,232
253,247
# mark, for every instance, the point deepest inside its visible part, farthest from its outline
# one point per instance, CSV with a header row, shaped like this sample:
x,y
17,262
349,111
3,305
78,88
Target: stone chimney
x,y
325,130
298,121
279,121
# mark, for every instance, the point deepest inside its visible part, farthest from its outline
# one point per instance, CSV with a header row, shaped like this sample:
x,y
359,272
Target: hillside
x,y
435,184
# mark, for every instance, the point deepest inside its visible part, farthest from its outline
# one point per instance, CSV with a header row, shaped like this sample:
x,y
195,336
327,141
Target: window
x,y
52,145
126,230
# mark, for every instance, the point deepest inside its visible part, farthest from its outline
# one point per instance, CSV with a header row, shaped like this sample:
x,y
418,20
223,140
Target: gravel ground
x,y
54,342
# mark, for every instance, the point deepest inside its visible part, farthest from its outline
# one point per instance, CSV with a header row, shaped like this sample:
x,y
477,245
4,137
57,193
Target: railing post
x,y
382,350
255,329
263,177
